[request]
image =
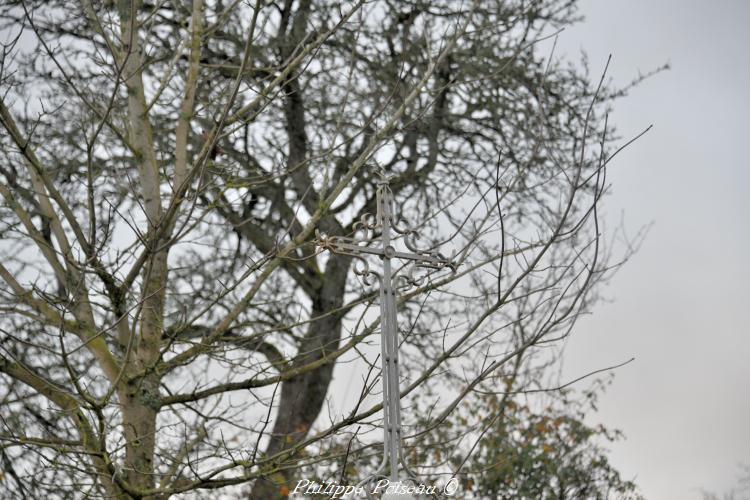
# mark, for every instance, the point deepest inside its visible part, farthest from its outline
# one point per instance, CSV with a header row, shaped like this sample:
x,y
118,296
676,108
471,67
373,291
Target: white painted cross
x,y
358,247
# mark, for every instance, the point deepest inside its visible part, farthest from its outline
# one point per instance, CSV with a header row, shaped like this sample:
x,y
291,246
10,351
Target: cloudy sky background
x,y
681,306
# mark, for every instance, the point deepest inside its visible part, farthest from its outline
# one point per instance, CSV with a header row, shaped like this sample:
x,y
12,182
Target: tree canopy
x,y
169,326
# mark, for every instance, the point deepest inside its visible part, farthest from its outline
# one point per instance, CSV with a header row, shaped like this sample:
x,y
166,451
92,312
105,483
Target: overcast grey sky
x,y
681,306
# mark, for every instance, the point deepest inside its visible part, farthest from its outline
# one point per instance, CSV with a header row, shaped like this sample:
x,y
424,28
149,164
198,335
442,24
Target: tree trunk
x,y
139,410
302,397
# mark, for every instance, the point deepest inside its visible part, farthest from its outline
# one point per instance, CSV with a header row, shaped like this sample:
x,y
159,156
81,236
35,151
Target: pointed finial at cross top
x,y
358,247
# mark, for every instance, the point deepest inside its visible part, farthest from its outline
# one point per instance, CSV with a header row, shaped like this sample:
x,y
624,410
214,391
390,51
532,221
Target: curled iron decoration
x,y
356,247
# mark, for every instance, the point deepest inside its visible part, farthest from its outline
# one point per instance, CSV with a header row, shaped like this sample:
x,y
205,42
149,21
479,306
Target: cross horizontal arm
x,y
337,246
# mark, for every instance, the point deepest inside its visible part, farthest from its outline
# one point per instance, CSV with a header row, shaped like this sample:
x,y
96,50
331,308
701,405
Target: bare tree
x,y
741,491
169,325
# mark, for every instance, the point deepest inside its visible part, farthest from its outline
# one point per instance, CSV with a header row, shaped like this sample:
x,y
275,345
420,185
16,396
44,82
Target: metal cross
x,y
358,247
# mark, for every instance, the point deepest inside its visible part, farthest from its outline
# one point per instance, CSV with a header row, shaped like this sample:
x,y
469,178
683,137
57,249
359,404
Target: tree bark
x,y
302,397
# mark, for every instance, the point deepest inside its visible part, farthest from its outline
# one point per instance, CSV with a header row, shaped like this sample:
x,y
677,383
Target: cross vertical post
x,y
389,334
